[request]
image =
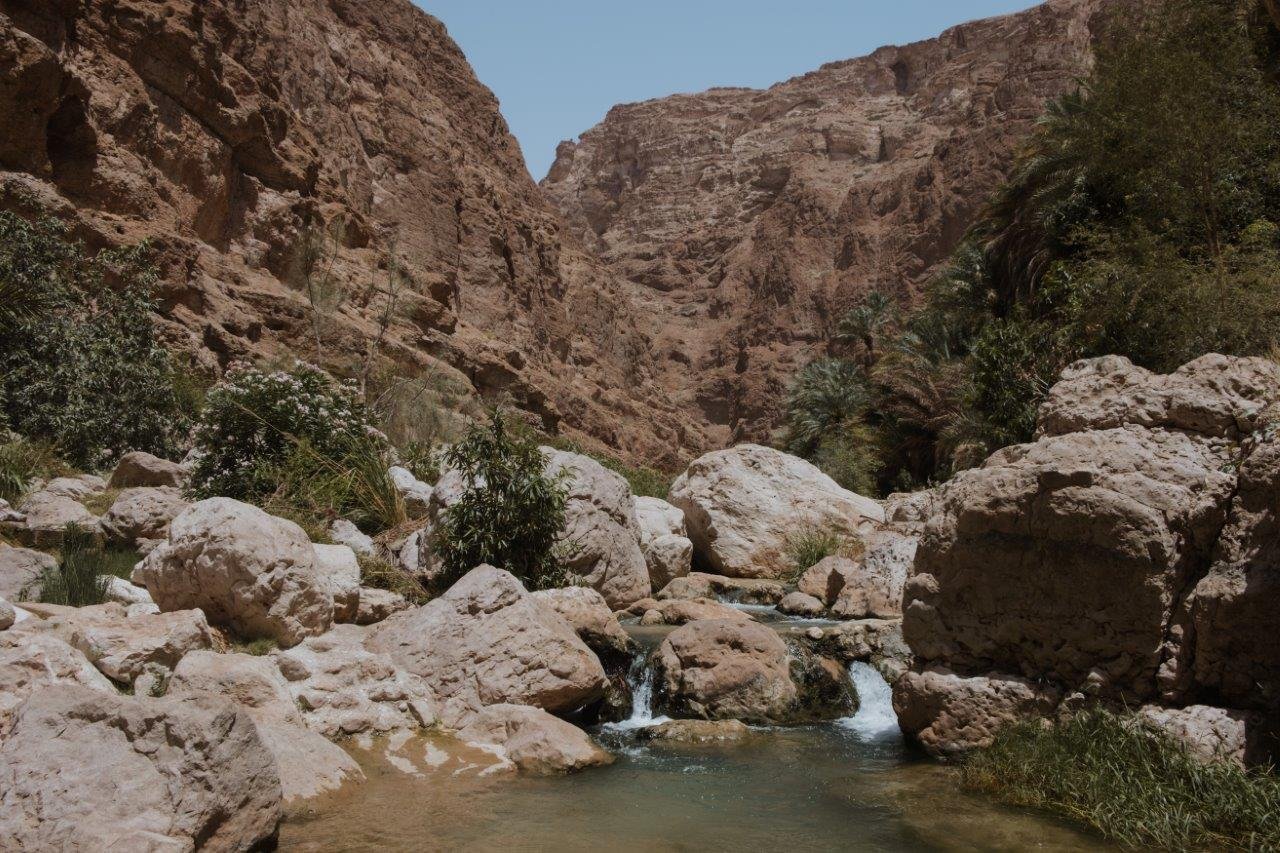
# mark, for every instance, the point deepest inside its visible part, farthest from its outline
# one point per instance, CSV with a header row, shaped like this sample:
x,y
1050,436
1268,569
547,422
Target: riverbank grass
x,y
1131,782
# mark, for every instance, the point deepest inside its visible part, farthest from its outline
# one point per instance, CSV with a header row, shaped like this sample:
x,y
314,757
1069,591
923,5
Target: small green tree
x,y
510,513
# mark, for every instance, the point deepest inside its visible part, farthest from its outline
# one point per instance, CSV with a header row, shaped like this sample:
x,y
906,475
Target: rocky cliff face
x,y
262,144
747,221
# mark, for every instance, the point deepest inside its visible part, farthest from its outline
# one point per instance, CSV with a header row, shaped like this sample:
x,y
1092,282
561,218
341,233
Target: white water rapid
x,y
640,677
875,719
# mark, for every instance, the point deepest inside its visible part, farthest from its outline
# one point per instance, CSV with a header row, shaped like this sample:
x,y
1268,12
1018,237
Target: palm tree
x,y
827,394
20,301
864,323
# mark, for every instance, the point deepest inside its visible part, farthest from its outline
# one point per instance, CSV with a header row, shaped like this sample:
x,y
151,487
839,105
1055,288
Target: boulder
x,y
9,515
1212,734
344,689
121,591
600,534
47,517
248,571
377,604
143,469
20,570
696,732
84,770
737,590
718,670
76,488
533,740
589,615
655,517
122,647
951,714
800,604
680,611
308,764
343,532
487,642
668,557
30,663
142,513
8,615
825,579
740,505
415,493
339,570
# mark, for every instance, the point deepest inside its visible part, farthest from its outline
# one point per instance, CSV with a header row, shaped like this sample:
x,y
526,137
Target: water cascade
x,y
875,719
640,677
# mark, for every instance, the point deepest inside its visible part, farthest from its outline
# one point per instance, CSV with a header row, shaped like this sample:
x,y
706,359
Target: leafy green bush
x,y
510,513
80,364
254,422
851,457
78,580
1131,782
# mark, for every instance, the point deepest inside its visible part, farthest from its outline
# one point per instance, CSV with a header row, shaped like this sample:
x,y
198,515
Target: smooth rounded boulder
x,y
741,504
248,571
533,740
143,469
144,512
489,642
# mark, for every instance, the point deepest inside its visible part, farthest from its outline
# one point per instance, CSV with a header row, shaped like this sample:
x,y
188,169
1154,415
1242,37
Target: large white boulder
x,y
741,505
30,663
338,568
20,570
143,512
487,642
415,493
84,770
668,552
247,570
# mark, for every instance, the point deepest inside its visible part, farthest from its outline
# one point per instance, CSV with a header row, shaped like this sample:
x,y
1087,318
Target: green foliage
x,y
863,325
851,457
258,648
1130,782
353,484
79,579
811,545
22,461
255,422
380,574
80,364
510,513
827,394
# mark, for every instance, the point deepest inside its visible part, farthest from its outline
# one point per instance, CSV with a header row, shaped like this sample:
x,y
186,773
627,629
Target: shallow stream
x,y
848,785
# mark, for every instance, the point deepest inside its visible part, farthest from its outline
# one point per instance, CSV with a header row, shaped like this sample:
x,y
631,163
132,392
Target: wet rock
x,y
739,590
82,769
679,611
143,469
345,689
249,571
486,642
696,732
876,641
949,714
720,670
533,740
142,513
741,504
800,604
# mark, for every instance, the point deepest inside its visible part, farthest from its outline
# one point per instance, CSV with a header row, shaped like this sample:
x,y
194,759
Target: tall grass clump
x,y
1131,782
77,580
811,545
22,461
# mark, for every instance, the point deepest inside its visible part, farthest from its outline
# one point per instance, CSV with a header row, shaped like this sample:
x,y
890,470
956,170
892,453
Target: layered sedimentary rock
x,y
276,149
1127,555
748,220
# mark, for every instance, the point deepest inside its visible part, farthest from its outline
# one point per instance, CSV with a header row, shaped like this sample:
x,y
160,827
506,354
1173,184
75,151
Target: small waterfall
x,y
875,719
640,677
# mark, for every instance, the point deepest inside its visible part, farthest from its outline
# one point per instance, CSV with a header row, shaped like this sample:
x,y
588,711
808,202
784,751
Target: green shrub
x,y
79,579
811,545
510,513
826,395
1131,782
644,481
314,488
254,422
81,366
851,457
380,574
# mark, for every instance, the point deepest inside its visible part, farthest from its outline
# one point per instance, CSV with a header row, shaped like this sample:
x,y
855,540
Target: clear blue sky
x,y
557,66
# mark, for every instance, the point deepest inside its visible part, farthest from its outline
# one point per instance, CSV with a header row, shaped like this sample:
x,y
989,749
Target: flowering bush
x,y
254,421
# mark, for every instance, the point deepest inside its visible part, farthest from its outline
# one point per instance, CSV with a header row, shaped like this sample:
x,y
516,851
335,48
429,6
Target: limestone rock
x,y
533,740
247,570
718,670
20,570
680,611
143,469
343,532
143,513
696,732
655,517
825,579
1213,734
872,587
589,614
487,642
950,714
741,504
345,689
800,604
47,516
76,488
121,591
8,615
81,769
339,570
738,590
415,493
668,557
378,604
121,648
30,663
600,528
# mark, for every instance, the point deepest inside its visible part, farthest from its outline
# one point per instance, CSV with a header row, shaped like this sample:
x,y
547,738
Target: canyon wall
x,y
272,148
746,221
